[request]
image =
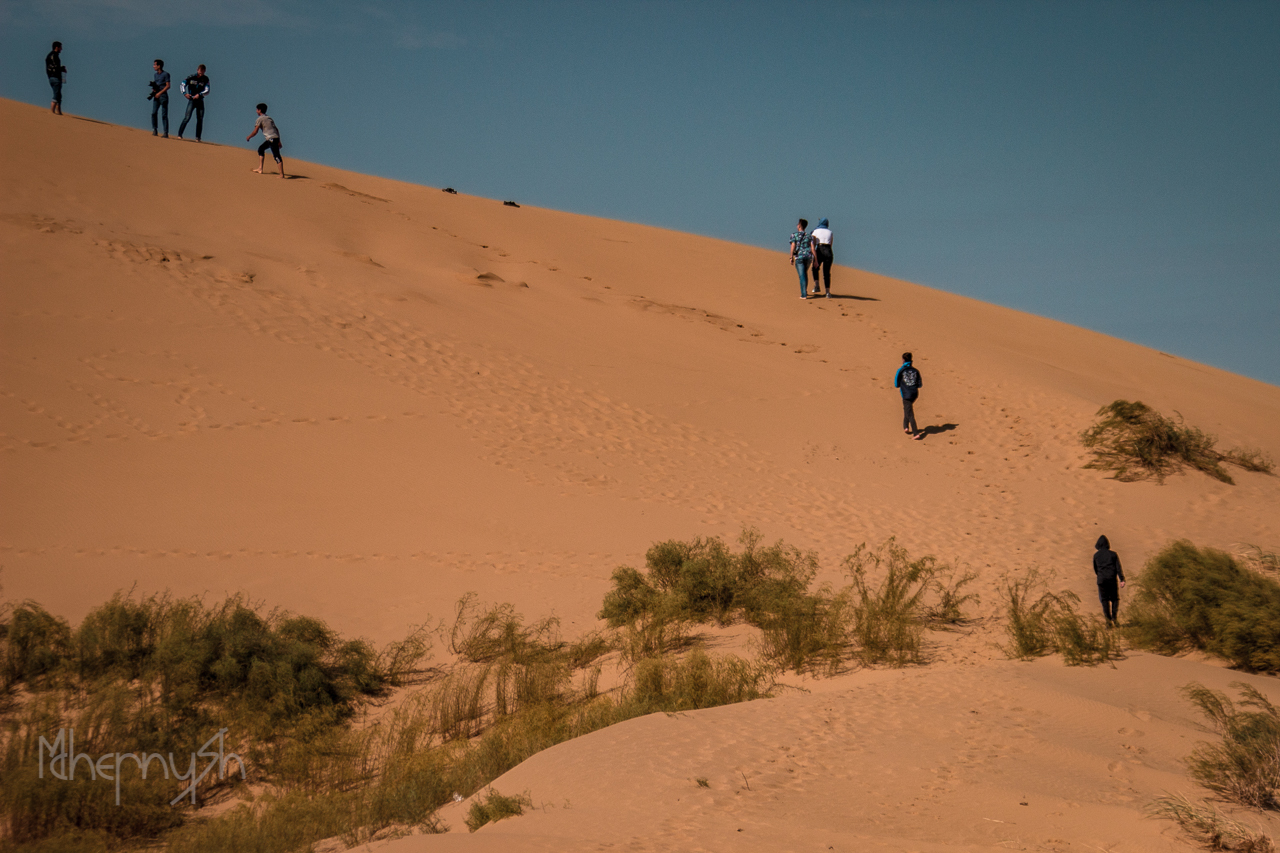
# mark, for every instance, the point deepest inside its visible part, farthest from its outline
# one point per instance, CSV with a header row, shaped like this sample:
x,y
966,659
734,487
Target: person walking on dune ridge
x,y
159,98
271,135
801,254
1106,567
55,69
195,88
909,381
822,255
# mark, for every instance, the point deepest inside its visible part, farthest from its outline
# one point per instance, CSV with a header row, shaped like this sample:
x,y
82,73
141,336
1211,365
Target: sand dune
x,y
358,399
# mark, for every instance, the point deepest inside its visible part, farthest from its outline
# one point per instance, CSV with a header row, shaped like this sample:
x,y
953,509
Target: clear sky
x,y
1111,164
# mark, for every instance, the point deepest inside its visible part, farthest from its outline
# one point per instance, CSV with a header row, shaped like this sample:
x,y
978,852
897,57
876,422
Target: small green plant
x,y
1207,824
1202,598
702,782
494,807
1041,622
808,632
1137,443
1245,766
888,617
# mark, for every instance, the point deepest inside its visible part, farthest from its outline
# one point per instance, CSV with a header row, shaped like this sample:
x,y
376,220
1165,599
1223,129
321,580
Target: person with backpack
x,y
1106,566
823,255
159,97
271,135
801,254
909,381
55,69
195,88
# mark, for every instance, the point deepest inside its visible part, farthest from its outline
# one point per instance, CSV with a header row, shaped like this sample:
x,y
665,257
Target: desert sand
x,y
358,399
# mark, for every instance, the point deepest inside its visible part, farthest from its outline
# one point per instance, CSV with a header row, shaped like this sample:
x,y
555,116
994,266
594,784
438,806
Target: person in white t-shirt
x,y
272,136
822,255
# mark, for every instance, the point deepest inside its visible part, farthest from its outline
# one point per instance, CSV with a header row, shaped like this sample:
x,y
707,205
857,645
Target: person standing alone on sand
x,y
159,97
55,69
801,255
822,255
272,136
195,88
1106,565
909,381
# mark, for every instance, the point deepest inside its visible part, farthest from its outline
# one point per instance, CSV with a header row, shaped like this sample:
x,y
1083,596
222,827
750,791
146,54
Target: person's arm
x,y
897,378
1119,570
256,128
204,91
165,89
793,251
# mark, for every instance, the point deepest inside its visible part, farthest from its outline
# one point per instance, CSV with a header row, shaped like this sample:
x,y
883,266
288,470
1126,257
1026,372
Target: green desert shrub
x,y
1244,767
694,681
888,614
704,580
808,633
1137,442
1202,598
1207,824
37,645
1041,622
494,807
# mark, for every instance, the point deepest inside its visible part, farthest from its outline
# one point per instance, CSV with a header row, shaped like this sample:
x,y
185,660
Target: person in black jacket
x,y
55,69
1106,565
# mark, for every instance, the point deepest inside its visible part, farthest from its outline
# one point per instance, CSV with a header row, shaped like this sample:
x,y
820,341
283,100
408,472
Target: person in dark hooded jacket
x,y
1106,565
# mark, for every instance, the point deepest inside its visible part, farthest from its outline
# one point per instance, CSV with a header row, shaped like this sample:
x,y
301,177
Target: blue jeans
x,y
195,105
56,83
802,268
160,104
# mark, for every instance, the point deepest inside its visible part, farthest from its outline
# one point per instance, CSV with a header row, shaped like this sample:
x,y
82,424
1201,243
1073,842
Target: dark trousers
x,y
194,105
1109,595
160,104
272,145
822,259
56,83
909,414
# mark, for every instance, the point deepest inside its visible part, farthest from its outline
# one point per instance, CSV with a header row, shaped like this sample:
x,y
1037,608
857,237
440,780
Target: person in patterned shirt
x,y
801,255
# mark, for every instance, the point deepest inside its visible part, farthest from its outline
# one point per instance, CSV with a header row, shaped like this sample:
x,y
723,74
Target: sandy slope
x,y
358,399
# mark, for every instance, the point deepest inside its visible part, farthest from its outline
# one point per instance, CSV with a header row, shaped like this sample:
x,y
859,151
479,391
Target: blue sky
x,y
1111,164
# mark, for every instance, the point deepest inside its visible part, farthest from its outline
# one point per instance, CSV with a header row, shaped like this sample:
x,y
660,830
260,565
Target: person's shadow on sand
x,y
936,430
851,296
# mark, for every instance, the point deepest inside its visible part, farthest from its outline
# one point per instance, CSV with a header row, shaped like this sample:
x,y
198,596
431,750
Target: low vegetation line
x,y
305,711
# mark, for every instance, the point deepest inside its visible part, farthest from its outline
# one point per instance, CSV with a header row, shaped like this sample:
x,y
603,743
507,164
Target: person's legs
x,y
182,128
155,112
275,152
164,115
802,268
55,106
826,273
1109,595
909,416
199,118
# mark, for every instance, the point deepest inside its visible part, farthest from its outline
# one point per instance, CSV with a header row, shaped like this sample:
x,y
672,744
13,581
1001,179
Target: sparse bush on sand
x,y
1244,767
1041,622
1206,823
878,619
1139,443
494,807
1188,597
